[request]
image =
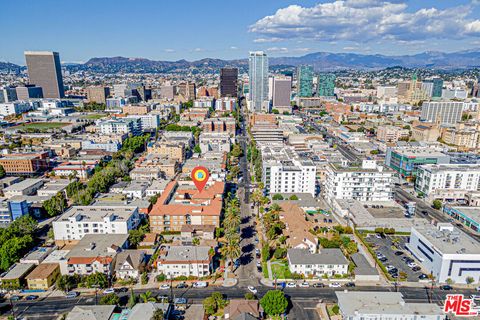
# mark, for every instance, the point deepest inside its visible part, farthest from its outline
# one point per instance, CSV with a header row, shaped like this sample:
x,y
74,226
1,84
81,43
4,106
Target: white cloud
x,y
169,50
366,20
263,40
277,50
198,50
301,49
233,48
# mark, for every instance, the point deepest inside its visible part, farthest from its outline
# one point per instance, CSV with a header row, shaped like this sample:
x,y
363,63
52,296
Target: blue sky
x,y
192,29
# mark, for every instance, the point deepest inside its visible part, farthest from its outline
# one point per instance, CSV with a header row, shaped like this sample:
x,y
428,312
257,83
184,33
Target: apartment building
x,y
81,169
443,112
447,181
219,125
226,104
180,205
120,126
95,253
136,109
426,132
79,221
446,252
465,136
328,262
171,150
175,261
391,133
285,172
214,142
24,164
370,182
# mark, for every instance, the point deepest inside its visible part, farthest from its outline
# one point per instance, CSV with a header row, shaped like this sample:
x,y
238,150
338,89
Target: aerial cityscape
x,y
254,160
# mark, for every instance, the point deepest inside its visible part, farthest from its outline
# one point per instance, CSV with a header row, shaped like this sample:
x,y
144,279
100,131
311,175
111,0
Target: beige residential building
x,y
425,132
138,110
463,135
175,151
391,133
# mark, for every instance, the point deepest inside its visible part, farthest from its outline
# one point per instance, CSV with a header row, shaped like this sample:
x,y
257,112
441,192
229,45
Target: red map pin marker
x,y
200,177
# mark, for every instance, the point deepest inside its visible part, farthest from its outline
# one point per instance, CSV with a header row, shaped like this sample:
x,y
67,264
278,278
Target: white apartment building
x,y
147,121
120,126
174,261
391,133
381,305
327,262
444,112
112,146
370,182
289,176
446,252
447,181
214,142
203,103
79,221
226,104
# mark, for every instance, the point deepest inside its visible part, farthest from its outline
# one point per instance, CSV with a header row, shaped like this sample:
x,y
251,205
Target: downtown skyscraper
x,y
45,71
326,85
258,80
304,81
228,82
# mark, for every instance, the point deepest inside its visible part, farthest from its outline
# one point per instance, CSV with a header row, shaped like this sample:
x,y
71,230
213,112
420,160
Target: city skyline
x,y
282,28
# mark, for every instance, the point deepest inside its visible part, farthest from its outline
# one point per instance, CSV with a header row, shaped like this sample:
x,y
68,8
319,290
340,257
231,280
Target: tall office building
x,y
326,85
8,94
228,82
258,79
282,89
187,90
304,81
45,71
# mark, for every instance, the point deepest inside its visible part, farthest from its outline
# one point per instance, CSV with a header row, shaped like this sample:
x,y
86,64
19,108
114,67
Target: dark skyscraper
x,y
228,82
45,71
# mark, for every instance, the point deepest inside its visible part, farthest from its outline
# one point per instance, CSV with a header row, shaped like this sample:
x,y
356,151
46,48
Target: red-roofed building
x,y
180,205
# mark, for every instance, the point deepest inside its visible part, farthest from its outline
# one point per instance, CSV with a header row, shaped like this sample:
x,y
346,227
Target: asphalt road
x,y
50,308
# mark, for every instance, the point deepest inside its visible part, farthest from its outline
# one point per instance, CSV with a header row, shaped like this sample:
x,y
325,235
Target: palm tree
x,y
231,251
147,297
232,222
232,236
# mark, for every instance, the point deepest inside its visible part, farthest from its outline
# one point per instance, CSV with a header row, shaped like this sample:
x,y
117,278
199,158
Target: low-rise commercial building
x,y
360,305
446,252
23,188
406,161
468,216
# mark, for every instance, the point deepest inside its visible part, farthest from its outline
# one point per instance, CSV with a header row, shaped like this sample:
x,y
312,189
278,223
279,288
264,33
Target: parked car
x,y
383,259
291,285
350,285
416,268
31,297
182,285
122,289
200,284
304,285
334,285
108,291
15,298
318,285
423,276
390,267
411,264
72,294
398,253
446,287
252,289
164,287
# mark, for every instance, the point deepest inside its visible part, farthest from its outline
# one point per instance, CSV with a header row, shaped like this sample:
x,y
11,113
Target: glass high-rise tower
x,y
326,85
304,81
258,81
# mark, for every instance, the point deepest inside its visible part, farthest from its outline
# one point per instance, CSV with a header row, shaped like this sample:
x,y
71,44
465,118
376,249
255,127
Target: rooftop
x,y
325,256
170,254
27,183
18,270
98,213
360,302
91,313
97,245
42,271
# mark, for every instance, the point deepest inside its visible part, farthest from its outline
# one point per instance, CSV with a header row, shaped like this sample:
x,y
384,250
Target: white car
x,y
478,288
304,285
411,264
252,289
390,267
291,285
334,285
108,291
164,287
200,284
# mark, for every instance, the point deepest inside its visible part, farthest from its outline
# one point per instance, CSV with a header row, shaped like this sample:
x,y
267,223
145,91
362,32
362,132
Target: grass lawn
x,y
265,269
43,125
94,116
281,270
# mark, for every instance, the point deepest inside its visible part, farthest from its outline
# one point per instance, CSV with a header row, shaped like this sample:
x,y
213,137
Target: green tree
x,y
96,279
249,296
277,196
55,205
214,303
197,149
265,252
469,280
374,152
437,204
275,111
293,197
147,296
132,300
274,303
157,315
2,171
110,299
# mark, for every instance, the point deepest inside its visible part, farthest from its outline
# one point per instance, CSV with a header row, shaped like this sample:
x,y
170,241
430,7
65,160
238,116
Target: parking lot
x,y
388,249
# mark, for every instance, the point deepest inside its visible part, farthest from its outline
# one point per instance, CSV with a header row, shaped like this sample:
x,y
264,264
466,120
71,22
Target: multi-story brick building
x,y
219,125
24,163
184,204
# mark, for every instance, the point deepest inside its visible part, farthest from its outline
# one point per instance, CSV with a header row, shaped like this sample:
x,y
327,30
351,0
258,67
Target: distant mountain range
x,y
321,61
